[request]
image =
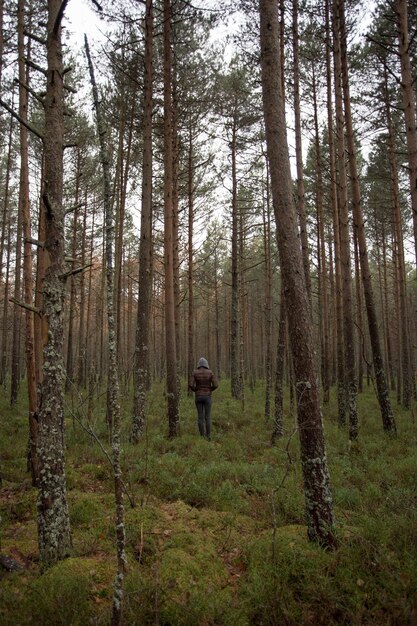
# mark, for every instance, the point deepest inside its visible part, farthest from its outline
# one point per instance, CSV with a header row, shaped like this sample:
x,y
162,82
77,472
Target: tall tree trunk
x,y
278,428
15,370
409,104
298,150
268,299
388,420
401,283
317,491
170,332
142,365
190,277
24,208
113,378
53,517
82,340
5,276
73,288
324,304
351,388
341,395
235,316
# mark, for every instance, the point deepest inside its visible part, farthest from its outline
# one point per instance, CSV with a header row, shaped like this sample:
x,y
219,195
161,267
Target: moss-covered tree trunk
x,y
53,517
317,491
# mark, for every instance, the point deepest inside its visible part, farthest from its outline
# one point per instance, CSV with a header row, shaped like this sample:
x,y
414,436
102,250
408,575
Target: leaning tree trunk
x,y
113,408
53,517
317,491
142,374
388,420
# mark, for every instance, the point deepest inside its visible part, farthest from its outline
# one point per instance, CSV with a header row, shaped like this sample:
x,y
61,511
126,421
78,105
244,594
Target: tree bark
x,y
24,208
388,420
319,509
53,517
142,365
340,353
170,331
351,387
113,378
409,104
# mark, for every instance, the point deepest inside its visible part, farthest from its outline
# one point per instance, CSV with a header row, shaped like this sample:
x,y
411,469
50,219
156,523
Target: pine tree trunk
x,y
340,357
409,104
170,331
73,288
268,299
401,283
319,510
190,277
53,517
114,410
235,316
388,420
6,227
24,208
278,428
142,364
348,327
324,304
298,150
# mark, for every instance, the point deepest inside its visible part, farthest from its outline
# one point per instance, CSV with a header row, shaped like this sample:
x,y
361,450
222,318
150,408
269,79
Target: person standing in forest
x,y
203,382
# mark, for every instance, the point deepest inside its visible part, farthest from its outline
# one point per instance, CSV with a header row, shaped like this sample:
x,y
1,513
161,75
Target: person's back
x,y
203,382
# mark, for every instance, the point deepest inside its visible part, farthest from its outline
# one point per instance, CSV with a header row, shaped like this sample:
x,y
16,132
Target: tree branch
x,y
35,37
28,307
75,271
35,242
22,121
31,91
36,67
60,15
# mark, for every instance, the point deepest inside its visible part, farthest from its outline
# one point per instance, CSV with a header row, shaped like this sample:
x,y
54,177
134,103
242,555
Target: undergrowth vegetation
x,y
215,530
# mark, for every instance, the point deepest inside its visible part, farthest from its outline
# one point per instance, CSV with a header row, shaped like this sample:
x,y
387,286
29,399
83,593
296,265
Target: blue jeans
x,y
203,404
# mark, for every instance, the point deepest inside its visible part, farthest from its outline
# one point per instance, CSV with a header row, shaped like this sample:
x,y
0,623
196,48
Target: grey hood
x,y
203,363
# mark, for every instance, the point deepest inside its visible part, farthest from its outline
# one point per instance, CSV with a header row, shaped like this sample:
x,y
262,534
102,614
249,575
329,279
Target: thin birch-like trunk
x,y
113,379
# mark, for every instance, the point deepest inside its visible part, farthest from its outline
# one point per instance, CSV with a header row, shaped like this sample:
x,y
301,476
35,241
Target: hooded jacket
x,y
203,381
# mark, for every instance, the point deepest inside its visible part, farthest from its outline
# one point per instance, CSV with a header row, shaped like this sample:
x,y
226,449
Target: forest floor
x,y
216,535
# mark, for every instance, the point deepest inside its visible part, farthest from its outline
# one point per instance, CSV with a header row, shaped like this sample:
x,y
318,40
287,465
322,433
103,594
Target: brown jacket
x,y
203,382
